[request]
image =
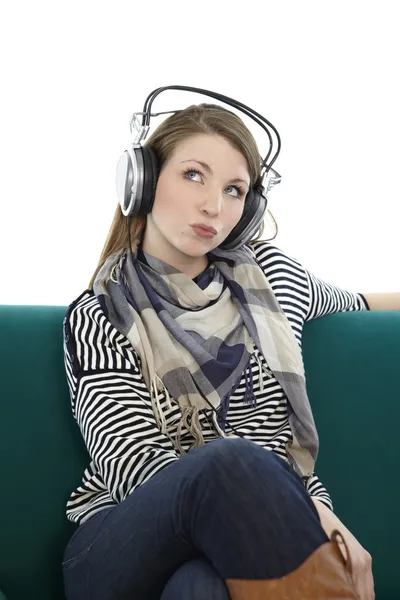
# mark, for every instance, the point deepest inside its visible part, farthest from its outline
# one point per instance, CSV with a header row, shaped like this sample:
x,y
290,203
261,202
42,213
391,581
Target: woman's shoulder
x,y
271,256
82,298
99,343
81,304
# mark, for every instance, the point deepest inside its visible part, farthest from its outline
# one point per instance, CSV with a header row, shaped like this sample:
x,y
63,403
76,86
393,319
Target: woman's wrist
x,y
329,521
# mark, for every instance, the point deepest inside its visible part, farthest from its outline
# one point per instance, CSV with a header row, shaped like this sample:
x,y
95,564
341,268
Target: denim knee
x,y
233,452
195,580
239,464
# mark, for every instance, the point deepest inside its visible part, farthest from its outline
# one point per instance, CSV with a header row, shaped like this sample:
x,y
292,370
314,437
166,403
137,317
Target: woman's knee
x,y
240,466
195,580
239,452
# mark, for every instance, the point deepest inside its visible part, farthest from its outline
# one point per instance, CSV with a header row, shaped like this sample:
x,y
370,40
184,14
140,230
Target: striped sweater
x,y
112,405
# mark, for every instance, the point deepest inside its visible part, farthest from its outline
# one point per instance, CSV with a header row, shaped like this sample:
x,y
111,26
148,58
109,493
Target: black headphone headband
x,y
235,103
138,170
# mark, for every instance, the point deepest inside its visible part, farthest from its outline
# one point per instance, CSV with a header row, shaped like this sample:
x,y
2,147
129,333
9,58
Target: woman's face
x,y
212,193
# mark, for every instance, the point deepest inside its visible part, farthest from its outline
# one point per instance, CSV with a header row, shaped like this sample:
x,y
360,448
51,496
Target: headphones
x,y
138,170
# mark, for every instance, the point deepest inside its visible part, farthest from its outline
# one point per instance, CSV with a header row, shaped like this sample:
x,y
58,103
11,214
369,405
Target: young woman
x,y
186,378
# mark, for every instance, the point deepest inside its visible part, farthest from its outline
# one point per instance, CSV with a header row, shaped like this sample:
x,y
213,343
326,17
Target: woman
x,y
186,378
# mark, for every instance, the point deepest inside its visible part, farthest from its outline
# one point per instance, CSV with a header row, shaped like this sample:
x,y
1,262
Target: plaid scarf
x,y
196,337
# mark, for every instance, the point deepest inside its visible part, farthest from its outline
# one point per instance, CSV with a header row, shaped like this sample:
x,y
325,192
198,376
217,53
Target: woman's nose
x,y
213,203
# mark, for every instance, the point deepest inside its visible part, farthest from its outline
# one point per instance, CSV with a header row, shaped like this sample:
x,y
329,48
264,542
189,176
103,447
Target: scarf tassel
x,y
268,371
249,397
215,419
190,420
157,408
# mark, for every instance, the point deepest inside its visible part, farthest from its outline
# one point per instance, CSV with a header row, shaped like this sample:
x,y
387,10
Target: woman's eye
x,y
239,191
191,172
233,188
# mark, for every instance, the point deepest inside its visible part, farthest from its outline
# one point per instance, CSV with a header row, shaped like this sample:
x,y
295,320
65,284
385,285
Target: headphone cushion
x,y
151,173
250,205
253,201
249,200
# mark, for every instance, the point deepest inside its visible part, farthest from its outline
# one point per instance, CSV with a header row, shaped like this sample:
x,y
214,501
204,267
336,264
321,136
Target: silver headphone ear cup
x,y
129,181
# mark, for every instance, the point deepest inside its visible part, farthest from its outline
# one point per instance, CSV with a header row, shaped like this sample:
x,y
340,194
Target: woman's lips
x,y
202,232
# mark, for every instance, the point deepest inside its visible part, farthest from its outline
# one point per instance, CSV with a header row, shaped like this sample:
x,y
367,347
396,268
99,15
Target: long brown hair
x,y
201,118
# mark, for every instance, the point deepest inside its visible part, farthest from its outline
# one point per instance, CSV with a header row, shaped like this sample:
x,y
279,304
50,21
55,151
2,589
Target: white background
x,y
326,74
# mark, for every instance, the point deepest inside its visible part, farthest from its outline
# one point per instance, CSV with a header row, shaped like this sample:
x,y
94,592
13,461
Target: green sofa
x,y
352,363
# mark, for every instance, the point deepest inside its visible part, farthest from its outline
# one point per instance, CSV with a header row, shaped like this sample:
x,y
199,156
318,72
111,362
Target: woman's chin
x,y
196,248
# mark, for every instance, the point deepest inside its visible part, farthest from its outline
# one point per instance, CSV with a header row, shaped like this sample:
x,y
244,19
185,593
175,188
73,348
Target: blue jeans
x,y
230,509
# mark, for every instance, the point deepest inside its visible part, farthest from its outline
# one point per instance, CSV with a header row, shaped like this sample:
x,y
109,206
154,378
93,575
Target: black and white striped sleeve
x,y
327,299
317,490
111,403
302,295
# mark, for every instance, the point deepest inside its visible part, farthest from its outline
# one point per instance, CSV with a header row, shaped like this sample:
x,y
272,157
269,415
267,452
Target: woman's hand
x,y
361,560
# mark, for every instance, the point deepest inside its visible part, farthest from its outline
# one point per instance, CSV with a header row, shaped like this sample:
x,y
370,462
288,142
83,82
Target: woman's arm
x,y
111,403
302,295
317,490
328,299
120,432
386,301
361,560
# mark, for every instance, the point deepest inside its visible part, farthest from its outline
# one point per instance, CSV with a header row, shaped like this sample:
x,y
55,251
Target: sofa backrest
x,y
352,368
